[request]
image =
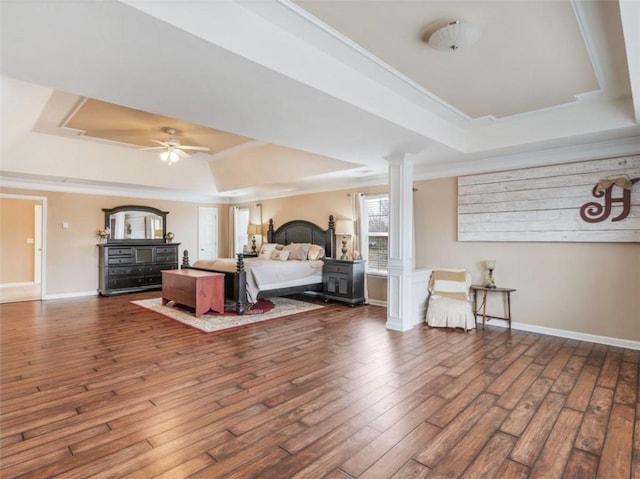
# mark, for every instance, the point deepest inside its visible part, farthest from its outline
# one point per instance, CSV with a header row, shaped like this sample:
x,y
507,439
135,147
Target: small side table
x,y
505,292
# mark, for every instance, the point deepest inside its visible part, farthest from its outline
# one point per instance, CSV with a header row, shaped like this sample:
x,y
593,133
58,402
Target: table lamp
x,y
491,265
253,230
344,228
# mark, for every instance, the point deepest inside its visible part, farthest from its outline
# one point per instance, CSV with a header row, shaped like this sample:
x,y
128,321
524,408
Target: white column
x,y
401,261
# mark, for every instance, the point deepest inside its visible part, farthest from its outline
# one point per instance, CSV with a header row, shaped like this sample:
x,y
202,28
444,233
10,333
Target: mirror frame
x,y
147,209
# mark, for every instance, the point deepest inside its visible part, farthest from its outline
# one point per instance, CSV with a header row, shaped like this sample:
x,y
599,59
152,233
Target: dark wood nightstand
x,y
343,280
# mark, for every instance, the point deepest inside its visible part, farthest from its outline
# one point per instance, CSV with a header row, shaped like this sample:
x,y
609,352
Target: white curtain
x,y
256,219
232,231
361,234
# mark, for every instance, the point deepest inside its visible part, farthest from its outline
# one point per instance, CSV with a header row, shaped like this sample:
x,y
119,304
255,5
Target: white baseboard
x,y
17,285
563,333
77,294
377,302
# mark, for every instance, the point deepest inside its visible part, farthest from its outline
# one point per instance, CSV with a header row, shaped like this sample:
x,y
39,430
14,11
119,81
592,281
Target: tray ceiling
x,y
531,55
311,95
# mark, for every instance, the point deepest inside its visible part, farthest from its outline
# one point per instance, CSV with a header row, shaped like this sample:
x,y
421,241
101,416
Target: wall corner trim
x,y
397,326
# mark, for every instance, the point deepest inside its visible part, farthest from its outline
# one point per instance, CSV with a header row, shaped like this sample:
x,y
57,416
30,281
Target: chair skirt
x,y
450,313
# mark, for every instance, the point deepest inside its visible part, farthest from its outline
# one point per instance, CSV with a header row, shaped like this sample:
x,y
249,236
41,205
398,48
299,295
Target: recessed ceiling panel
x,y
530,55
107,121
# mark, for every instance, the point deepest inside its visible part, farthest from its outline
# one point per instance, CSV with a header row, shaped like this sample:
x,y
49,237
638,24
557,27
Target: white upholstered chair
x,y
449,305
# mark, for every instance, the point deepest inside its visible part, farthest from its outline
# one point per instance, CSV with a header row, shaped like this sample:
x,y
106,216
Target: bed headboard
x,y
302,231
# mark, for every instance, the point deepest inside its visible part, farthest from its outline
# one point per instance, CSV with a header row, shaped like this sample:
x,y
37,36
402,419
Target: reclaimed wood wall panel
x,y
545,203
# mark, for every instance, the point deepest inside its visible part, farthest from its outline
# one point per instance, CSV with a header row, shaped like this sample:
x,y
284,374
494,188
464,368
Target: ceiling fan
x,y
173,150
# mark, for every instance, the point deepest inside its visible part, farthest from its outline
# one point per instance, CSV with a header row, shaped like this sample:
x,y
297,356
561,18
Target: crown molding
x,y
586,30
567,154
367,55
630,16
68,186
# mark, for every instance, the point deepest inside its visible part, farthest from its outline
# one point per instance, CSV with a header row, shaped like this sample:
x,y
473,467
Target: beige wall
x,y
71,254
312,207
377,288
315,207
592,288
17,224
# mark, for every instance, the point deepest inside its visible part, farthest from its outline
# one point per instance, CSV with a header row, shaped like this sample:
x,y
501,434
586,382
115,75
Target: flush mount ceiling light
x,y
455,35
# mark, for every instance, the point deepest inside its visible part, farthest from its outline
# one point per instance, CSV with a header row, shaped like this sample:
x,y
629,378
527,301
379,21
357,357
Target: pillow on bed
x,y
298,251
315,252
280,255
267,250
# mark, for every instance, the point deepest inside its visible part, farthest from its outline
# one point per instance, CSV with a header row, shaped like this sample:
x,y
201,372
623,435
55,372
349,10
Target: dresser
x,y
129,267
343,280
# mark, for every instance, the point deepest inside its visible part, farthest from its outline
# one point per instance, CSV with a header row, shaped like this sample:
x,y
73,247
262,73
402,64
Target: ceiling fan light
x,y
455,35
169,155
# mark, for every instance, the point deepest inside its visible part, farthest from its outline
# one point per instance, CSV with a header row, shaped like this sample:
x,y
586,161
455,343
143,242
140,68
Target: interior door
x,y
207,233
21,247
37,246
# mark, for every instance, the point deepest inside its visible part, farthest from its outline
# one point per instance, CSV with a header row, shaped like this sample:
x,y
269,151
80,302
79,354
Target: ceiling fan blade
x,y
181,153
152,148
165,145
195,148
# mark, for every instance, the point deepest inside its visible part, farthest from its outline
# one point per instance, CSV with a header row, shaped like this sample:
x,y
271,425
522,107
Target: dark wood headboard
x,y
302,231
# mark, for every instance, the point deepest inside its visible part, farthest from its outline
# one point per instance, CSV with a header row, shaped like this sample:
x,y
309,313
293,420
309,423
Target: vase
x,y
102,239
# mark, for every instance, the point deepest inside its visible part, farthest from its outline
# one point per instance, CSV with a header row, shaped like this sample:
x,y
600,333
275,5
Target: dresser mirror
x,y
135,223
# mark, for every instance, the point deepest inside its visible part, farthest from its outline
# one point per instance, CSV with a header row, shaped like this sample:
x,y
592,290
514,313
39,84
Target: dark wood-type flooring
x,y
97,387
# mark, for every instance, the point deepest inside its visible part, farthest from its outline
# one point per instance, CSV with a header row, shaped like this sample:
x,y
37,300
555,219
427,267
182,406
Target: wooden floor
x,y
100,387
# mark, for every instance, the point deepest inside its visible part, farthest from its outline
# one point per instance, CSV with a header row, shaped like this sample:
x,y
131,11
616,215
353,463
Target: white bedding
x,y
266,274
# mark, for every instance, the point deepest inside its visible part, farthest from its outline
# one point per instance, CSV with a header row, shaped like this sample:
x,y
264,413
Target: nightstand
x,y
343,280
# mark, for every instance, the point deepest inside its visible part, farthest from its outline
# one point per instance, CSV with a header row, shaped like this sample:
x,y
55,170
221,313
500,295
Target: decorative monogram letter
x,y
594,212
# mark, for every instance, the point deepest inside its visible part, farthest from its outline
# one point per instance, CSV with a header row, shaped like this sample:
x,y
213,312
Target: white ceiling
x,y
322,91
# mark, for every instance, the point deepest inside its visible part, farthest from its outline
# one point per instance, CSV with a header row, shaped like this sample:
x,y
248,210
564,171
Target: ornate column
x,y
401,261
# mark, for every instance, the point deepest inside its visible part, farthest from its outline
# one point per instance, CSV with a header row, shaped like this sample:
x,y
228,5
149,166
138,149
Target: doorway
x,y
22,252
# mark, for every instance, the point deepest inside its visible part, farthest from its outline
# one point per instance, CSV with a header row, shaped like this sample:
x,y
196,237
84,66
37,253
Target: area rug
x,y
210,322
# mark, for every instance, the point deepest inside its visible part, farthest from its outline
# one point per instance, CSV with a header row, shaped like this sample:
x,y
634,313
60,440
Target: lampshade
x,y
491,264
344,227
455,35
253,229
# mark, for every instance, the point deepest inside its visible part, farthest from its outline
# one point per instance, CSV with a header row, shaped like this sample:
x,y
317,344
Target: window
x,y
378,228
240,228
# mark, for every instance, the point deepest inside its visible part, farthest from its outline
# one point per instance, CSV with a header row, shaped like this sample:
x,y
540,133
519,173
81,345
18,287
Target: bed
x,y
249,279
